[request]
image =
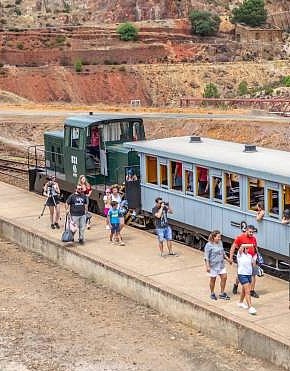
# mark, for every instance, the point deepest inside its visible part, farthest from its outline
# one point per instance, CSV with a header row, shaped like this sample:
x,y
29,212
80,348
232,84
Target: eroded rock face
x,y
53,12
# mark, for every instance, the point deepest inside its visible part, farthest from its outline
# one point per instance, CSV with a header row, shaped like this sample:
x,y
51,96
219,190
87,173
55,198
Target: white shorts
x,y
215,273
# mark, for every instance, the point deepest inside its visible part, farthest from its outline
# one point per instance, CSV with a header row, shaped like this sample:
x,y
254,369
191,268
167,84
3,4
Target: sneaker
x,y
52,226
252,310
213,296
81,242
121,243
88,227
56,225
254,294
172,253
224,296
242,305
235,289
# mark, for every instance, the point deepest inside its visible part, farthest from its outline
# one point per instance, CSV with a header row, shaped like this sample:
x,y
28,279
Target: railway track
x,y
14,171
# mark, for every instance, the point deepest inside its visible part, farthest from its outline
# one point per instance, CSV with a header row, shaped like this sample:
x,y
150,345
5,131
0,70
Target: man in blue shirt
x,y
114,223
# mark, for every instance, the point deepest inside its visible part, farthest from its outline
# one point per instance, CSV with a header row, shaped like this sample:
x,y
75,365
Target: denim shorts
x,y
243,279
164,234
115,228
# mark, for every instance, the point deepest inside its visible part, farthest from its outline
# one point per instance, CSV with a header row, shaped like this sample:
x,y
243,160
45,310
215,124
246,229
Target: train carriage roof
x,y
265,163
83,121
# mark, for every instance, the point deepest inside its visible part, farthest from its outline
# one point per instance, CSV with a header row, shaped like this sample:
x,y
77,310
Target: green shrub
x,y
17,11
286,81
60,39
204,23
243,88
127,32
251,12
211,91
18,2
78,66
20,46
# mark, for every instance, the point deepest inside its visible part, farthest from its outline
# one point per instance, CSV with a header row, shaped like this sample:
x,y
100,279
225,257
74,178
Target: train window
x,y
138,131
273,203
286,197
255,191
232,182
52,154
189,181
163,175
58,155
75,137
151,169
217,188
176,175
202,181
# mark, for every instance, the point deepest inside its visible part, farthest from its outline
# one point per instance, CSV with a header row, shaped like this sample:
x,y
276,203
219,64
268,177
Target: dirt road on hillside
x,y
53,320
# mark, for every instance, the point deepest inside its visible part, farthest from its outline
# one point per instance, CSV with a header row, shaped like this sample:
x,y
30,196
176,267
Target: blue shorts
x,y
115,228
243,279
164,234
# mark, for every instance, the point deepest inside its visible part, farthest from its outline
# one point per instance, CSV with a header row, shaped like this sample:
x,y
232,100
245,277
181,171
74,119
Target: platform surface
x,y
185,273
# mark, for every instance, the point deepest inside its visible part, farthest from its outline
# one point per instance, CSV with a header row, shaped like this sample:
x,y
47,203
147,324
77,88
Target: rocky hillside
x,y
35,13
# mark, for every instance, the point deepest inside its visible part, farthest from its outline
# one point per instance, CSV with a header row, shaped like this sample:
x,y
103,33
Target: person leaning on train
x,y
286,216
260,213
246,238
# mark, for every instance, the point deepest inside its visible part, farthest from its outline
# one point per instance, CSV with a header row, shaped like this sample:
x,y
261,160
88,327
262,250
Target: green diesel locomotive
x,y
89,145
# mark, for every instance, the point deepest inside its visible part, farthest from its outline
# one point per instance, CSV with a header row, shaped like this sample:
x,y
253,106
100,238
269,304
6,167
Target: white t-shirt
x,y
116,198
245,266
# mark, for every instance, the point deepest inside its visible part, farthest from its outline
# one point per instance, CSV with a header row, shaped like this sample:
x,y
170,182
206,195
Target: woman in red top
x,y
87,190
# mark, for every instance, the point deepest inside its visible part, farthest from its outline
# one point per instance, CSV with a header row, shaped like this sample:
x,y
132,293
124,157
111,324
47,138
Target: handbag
x,y
67,235
260,259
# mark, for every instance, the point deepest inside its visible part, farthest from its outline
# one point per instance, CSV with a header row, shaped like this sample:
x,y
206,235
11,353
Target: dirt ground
x,y
53,320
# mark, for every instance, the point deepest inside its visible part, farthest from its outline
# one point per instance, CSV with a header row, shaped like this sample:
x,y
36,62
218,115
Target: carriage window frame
x,y
172,176
155,171
165,164
212,189
197,188
249,193
185,182
269,213
284,186
75,136
225,178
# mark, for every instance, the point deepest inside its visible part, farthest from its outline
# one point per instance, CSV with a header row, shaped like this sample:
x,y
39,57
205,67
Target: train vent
x,y
195,139
249,148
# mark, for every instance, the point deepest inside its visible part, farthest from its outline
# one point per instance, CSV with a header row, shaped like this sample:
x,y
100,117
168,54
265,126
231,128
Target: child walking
x,y
114,223
107,202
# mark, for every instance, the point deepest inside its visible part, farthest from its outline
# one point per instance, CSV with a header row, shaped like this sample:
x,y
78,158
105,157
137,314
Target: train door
x,y
74,153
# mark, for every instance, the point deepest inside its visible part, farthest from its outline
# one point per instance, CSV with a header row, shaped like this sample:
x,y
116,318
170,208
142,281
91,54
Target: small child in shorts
x,y
107,201
114,223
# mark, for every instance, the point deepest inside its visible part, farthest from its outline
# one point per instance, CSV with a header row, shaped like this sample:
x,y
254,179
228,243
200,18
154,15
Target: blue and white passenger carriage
x,y
213,184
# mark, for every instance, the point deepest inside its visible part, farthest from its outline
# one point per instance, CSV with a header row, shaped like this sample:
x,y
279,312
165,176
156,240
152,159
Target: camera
x,y
165,203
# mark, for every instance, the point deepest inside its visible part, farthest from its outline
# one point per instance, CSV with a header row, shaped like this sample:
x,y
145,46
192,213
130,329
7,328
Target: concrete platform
x,y
176,286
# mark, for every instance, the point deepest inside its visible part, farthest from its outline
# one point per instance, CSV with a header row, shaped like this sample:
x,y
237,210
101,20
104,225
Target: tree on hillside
x,y
251,12
204,23
128,32
211,91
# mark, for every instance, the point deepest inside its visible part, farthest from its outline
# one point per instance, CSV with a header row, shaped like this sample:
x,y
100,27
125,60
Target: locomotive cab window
x,y
163,175
151,169
75,137
189,181
176,175
232,182
273,203
217,189
202,181
255,191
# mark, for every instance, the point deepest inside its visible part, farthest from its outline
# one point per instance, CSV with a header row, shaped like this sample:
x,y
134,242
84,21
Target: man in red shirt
x,y
246,238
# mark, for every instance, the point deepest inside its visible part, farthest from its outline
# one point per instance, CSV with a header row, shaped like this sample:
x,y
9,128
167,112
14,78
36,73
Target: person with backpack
x,y
77,206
